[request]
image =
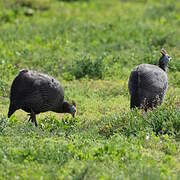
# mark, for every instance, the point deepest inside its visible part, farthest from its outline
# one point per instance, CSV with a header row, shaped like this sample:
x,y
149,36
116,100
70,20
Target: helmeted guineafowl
x,y
148,83
34,93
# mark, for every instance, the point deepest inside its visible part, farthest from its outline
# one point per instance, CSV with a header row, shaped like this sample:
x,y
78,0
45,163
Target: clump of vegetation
x,y
33,4
73,0
85,66
14,9
160,121
4,89
4,122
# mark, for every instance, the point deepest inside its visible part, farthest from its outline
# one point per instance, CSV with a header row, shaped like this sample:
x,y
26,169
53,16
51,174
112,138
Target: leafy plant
x,y
86,66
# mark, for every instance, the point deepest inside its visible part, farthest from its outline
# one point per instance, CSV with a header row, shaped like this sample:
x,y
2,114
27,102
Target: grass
x,y
90,47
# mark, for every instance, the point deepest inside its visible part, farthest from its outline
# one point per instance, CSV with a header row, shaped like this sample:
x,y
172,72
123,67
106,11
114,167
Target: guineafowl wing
x,y
152,79
152,83
47,94
32,90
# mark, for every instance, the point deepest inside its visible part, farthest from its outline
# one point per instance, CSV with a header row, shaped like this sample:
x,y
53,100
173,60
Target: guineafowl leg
x,y
33,115
30,118
144,112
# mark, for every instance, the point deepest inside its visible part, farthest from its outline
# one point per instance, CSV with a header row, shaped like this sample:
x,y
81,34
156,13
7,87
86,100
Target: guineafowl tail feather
x,y
134,93
11,110
134,101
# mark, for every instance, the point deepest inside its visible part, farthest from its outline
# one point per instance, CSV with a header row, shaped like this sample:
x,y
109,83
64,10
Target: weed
x,y
86,66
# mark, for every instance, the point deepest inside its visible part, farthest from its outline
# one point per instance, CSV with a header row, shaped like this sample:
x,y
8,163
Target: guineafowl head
x,y
69,108
163,61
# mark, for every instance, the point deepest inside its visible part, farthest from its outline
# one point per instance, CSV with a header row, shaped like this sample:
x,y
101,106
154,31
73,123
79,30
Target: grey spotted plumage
x,y
35,92
148,83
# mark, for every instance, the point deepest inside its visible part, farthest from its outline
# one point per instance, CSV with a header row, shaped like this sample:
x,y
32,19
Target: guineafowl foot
x,y
144,112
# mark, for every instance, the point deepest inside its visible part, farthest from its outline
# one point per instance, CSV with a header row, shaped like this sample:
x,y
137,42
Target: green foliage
x,y
11,10
4,89
4,122
160,121
85,66
72,0
91,46
167,121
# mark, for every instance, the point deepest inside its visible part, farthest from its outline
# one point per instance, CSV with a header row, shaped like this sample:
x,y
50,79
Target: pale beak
x,y
73,111
169,57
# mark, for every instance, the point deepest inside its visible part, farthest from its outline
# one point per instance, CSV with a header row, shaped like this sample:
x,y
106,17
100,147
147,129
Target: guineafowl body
x,y
34,93
148,84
